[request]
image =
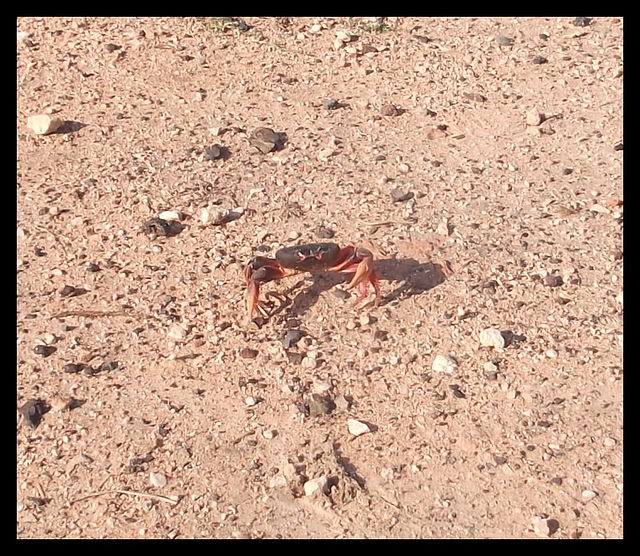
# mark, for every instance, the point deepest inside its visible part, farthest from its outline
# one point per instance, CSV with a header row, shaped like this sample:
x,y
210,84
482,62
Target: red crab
x,y
312,257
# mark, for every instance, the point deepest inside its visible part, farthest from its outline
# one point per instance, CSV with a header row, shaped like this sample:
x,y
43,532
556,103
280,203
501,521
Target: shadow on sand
x,y
415,278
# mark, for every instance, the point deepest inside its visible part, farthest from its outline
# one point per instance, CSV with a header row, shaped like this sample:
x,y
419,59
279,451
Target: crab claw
x,y
364,275
252,294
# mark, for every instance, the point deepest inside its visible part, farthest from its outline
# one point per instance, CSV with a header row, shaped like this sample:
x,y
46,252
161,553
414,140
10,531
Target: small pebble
x,y
171,215
214,152
545,527
534,117
43,124
444,228
582,21
504,40
553,280
320,405
32,412
60,403
475,97
157,480
110,47
389,110
588,495
73,367
492,337
44,351
156,227
292,337
490,370
266,139
551,353
399,196
539,60
444,364
455,390
251,401
177,332
330,104
248,353
269,434
357,428
609,442
324,233
314,487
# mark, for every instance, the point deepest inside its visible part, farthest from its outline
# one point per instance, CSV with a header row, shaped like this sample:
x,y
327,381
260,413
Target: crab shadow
x,y
410,278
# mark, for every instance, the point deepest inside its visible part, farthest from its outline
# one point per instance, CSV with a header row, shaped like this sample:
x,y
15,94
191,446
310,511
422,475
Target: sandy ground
x,y
490,193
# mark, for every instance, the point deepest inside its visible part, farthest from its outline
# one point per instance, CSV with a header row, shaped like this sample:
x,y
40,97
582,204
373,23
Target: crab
x,y
313,258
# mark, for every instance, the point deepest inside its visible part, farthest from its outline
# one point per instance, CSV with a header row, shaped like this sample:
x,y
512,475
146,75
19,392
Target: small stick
x,y
91,314
173,500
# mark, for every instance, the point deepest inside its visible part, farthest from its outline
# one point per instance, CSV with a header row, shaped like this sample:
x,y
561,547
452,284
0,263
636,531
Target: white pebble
x,y
171,215
490,367
250,401
444,364
551,353
316,486
157,480
544,527
177,331
356,428
492,337
588,494
43,124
